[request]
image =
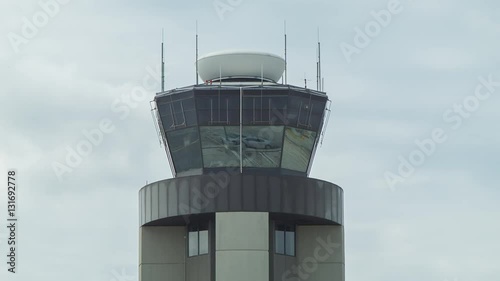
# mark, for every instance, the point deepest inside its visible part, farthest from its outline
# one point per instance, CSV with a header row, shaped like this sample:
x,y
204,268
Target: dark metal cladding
x,y
175,201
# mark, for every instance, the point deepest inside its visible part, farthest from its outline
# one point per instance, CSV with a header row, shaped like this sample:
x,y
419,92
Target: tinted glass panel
x,y
184,146
220,146
262,146
279,241
261,108
177,111
203,236
305,111
317,111
218,107
193,243
290,243
297,149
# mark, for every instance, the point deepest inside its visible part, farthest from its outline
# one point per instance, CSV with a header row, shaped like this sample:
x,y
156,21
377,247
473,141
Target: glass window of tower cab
x,y
246,121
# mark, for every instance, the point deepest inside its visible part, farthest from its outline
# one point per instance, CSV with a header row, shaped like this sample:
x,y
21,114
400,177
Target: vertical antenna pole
x,y
317,75
286,60
162,63
319,64
196,52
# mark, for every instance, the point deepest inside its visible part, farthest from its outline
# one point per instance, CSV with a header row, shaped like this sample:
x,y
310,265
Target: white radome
x,y
241,64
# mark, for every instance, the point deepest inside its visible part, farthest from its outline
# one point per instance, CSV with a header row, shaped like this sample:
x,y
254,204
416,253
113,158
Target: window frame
x,y
197,228
285,228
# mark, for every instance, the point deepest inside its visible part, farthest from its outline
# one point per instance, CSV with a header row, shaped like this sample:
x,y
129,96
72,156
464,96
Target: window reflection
x,y
297,149
220,145
184,146
261,146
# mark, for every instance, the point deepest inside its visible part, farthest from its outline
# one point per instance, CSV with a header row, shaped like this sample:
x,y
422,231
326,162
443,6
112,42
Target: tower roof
x,y
241,64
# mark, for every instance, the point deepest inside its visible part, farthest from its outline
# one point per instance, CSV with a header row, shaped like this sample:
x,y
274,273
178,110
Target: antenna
x,y
319,80
286,61
196,52
162,63
317,75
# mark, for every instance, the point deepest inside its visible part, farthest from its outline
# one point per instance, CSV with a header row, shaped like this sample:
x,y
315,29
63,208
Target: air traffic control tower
x,y
241,206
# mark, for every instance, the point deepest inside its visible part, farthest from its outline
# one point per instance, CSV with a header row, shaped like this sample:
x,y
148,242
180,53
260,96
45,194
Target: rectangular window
x,y
203,242
280,242
264,107
290,242
220,146
198,240
297,149
219,108
177,111
305,111
185,148
262,146
193,243
285,239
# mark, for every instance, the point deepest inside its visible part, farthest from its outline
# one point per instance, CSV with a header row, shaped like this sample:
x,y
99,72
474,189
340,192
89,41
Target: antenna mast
x,y
319,79
196,52
162,63
286,61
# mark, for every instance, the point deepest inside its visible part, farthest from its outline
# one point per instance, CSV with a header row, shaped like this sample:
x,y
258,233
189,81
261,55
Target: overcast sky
x,y
437,219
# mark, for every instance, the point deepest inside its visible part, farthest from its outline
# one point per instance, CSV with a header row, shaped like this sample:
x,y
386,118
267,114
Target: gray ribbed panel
x,y
287,195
